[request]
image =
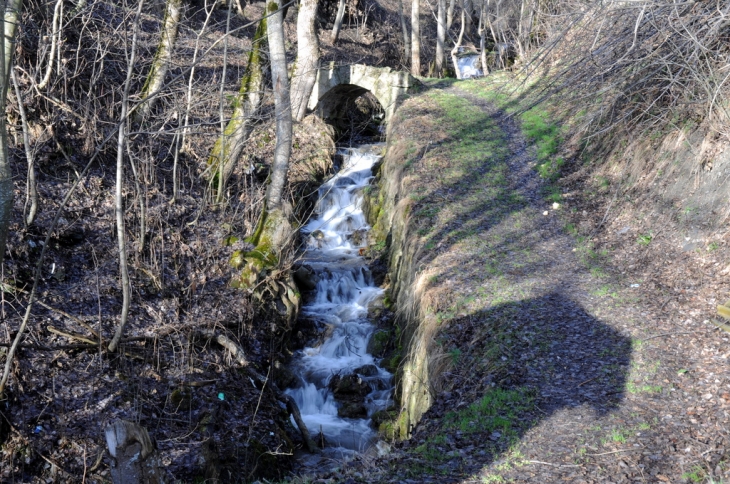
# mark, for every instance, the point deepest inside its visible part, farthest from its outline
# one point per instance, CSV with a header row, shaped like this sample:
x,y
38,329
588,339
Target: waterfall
x,y
339,305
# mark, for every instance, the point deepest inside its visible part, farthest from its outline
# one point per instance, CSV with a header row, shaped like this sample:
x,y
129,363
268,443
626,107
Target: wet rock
x,y
306,278
317,235
382,416
319,439
367,370
378,343
352,410
376,307
344,181
359,237
349,386
283,376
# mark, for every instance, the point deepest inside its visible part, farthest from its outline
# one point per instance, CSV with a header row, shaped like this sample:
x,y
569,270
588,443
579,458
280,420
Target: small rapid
x,y
340,385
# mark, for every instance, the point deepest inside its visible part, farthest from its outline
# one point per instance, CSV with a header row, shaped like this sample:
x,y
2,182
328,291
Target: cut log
x,y
136,460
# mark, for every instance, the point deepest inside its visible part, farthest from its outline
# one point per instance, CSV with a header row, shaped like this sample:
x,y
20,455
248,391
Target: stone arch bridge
x,y
336,84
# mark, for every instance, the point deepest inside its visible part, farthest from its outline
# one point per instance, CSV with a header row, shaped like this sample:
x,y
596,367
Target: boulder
x,y
306,278
352,410
349,386
367,370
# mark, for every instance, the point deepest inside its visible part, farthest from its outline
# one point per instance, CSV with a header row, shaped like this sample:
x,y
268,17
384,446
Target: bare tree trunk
x,y
416,38
404,28
182,138
521,30
158,71
222,101
455,50
483,37
55,34
282,108
31,193
468,9
450,14
10,21
250,96
118,201
305,71
440,37
338,21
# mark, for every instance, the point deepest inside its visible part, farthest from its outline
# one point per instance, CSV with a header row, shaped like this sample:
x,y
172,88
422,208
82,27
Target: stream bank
x,y
544,357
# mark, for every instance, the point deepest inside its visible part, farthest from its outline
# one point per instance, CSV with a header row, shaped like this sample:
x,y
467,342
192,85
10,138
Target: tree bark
x,y
440,38
404,28
338,21
455,50
416,38
305,71
248,102
450,14
161,63
118,200
31,193
10,21
468,8
282,108
483,37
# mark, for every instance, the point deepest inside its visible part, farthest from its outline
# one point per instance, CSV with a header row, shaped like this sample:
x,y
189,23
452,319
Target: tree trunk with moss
x,y
282,108
274,230
305,71
163,57
228,148
11,17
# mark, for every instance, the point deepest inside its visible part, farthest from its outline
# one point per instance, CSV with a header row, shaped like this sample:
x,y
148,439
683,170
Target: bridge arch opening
x,y
355,113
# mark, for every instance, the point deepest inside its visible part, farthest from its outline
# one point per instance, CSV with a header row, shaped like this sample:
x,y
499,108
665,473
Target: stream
x,y
340,384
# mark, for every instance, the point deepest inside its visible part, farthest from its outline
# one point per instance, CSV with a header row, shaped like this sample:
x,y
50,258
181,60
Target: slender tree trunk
x,y
222,102
416,38
118,201
440,37
468,8
455,50
338,21
404,29
228,148
161,64
305,72
450,15
11,17
282,108
31,193
483,37
55,34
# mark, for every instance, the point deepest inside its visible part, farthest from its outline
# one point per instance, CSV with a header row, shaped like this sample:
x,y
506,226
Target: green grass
x,y
644,239
696,474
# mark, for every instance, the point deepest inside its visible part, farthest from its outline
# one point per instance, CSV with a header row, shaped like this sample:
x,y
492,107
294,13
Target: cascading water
x,y
336,373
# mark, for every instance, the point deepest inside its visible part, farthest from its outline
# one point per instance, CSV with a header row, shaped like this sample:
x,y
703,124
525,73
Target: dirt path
x,y
593,381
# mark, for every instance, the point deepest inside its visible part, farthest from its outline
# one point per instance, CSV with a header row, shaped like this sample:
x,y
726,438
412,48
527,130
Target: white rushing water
x,y
340,305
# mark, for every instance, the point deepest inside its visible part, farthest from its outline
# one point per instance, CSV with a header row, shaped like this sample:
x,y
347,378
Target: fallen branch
x,y
73,336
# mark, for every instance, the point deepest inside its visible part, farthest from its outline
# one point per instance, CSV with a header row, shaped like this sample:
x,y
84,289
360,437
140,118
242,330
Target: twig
x,y
553,465
672,334
72,336
612,452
